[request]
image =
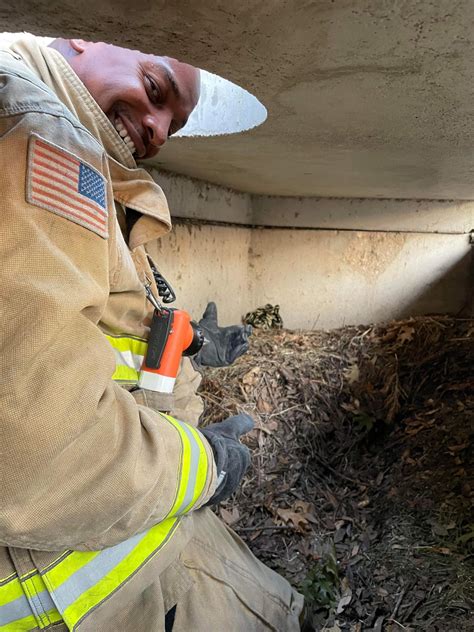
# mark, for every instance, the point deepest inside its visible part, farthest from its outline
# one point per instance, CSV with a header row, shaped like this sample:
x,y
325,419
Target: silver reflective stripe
x,y
42,602
193,468
95,570
20,608
129,359
17,609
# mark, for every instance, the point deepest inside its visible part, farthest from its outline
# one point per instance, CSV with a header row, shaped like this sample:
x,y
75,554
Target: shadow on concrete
x,y
454,289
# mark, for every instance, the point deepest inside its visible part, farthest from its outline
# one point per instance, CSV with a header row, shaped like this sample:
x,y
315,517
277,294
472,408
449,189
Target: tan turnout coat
x,y
83,466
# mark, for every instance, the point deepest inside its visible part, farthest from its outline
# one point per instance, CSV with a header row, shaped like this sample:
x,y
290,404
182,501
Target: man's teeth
x,y
124,134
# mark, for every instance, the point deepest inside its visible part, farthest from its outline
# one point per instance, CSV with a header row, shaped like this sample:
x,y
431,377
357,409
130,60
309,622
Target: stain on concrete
x,y
343,71
372,253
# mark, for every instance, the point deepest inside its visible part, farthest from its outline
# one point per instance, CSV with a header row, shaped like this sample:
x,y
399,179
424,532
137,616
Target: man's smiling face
x,y
147,98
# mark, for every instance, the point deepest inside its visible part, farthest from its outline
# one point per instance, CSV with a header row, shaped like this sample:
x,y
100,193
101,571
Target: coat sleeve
x,y
82,465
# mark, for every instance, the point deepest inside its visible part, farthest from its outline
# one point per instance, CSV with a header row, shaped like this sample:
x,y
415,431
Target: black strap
x,y
169,619
131,218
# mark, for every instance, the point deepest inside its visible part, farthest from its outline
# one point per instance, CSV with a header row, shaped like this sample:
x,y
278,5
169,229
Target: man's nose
x,y
157,125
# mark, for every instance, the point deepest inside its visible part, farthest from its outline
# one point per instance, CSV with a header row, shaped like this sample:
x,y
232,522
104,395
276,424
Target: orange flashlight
x,y
172,335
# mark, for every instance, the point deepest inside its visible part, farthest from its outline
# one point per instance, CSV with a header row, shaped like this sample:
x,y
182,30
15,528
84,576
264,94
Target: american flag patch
x,y
64,184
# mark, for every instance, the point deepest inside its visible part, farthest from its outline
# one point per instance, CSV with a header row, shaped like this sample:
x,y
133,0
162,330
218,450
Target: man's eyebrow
x,y
171,78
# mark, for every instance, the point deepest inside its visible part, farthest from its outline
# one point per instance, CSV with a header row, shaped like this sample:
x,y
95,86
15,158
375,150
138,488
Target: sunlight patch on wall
x,y
223,108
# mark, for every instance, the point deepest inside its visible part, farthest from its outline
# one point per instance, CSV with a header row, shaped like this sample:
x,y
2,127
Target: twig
x,y
398,623
260,528
280,412
397,605
213,400
412,609
270,390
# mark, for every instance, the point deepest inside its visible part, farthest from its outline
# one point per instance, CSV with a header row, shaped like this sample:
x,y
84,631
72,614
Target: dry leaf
x,y
263,406
229,517
300,514
379,624
441,549
307,509
458,448
297,520
405,334
355,550
352,374
343,602
287,373
272,425
379,479
303,506
251,377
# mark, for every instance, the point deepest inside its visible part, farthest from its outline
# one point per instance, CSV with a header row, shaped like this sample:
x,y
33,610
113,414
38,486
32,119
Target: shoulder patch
x,y
60,182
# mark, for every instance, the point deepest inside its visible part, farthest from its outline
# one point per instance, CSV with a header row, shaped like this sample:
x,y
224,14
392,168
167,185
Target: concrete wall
x,y
360,261
325,279
205,263
425,216
196,199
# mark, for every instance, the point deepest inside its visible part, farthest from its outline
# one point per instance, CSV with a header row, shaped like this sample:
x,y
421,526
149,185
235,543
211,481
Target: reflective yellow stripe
x,y
77,582
61,572
10,591
125,374
20,625
129,354
26,604
194,467
91,580
202,470
127,343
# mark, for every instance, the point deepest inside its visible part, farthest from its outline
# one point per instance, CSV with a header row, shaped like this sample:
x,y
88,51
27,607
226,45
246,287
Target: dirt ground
x,y
361,489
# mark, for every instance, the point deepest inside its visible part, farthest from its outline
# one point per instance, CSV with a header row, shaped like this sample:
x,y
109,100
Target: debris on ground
x,y
361,489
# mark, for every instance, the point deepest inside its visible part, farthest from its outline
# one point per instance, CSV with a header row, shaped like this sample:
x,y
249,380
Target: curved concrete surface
x,y
366,98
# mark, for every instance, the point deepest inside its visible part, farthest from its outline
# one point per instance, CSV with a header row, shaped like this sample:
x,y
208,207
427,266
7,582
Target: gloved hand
x,y
231,457
224,344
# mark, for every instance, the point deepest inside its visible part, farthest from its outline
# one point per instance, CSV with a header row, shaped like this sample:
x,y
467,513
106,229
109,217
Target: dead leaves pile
x,y
361,487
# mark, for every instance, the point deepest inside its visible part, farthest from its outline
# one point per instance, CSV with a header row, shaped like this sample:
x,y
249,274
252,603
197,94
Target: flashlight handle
x,y
161,325
160,366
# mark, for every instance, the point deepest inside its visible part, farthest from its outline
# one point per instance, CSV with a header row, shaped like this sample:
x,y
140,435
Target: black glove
x,y
223,344
231,457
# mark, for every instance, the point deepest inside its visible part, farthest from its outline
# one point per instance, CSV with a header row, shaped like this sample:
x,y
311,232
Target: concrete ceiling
x,y
366,98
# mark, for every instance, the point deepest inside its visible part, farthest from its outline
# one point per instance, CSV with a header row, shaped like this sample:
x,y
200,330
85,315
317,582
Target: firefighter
x,y
105,522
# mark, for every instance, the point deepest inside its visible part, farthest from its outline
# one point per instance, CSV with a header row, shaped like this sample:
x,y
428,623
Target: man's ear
x,y
79,45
